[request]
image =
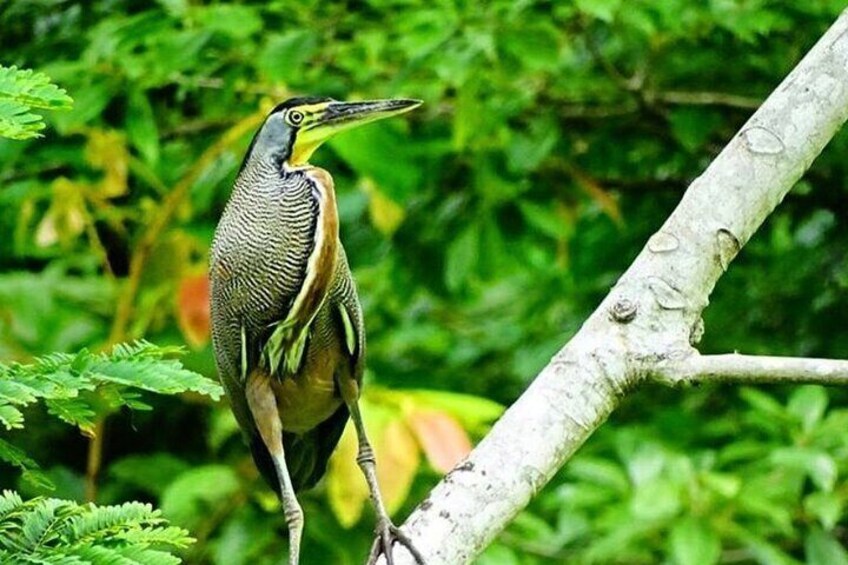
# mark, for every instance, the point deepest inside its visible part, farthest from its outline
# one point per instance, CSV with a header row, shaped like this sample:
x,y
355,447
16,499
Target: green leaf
x,y
176,8
141,127
461,260
725,484
535,44
808,405
285,55
380,152
532,145
545,220
74,411
17,122
693,542
602,9
152,473
818,465
826,507
761,550
601,472
658,499
194,493
22,90
32,89
692,127
821,548
15,456
764,403
238,22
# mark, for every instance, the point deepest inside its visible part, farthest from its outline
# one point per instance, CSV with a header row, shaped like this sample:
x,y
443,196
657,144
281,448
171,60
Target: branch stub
x,y
623,311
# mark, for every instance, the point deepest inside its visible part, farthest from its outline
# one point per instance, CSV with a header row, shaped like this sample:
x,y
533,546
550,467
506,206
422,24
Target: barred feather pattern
x,y
258,265
259,256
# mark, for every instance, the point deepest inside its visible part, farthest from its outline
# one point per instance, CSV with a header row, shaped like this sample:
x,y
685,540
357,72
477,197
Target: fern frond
x,y
103,521
48,530
60,380
20,91
126,556
75,387
16,457
9,501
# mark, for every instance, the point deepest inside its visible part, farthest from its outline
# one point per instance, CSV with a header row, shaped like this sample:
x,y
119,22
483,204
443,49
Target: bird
x,y
287,325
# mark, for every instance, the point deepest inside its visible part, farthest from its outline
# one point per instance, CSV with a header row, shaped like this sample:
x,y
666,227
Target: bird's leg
x,y
263,405
387,532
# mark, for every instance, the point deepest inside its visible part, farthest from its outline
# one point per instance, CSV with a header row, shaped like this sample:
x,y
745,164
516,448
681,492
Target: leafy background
x,y
555,137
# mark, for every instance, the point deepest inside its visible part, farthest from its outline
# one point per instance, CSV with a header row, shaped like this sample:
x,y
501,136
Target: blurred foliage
x,y
555,137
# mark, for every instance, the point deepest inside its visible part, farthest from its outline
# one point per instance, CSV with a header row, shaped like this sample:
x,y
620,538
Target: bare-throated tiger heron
x,y
286,321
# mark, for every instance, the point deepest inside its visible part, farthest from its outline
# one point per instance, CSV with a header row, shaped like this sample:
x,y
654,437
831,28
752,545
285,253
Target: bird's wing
x,y
348,314
283,352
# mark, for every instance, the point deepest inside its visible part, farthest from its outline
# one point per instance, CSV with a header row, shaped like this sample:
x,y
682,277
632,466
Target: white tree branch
x,y
752,369
649,317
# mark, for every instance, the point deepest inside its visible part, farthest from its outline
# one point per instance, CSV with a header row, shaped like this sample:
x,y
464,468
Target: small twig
x,y
217,83
588,111
97,243
195,126
630,84
95,459
753,369
636,84
707,99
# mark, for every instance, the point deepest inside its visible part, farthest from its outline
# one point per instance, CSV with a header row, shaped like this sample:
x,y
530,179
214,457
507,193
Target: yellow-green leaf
x,y
66,217
346,487
386,214
398,457
107,150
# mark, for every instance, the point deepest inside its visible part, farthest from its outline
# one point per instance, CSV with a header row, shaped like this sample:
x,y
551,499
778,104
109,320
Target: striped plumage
x,y
258,265
286,322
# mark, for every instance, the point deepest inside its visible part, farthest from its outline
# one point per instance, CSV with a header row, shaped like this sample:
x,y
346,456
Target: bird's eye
x,y
294,117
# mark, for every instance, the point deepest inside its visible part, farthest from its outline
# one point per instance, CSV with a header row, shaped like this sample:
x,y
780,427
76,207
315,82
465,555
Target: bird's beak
x,y
333,117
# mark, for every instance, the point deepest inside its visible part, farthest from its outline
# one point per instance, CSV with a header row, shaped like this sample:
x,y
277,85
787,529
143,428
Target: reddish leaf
x,y
443,440
193,309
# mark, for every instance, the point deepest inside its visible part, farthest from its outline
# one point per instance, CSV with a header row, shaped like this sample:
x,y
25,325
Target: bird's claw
x,y
387,535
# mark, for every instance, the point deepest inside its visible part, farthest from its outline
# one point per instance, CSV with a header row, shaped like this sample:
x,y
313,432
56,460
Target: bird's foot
x,y
387,535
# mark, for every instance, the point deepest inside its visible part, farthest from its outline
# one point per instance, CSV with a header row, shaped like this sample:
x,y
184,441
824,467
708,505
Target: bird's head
x,y
297,127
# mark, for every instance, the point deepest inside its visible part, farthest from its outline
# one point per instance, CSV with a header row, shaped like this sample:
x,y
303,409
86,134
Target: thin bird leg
x,y
387,532
263,405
